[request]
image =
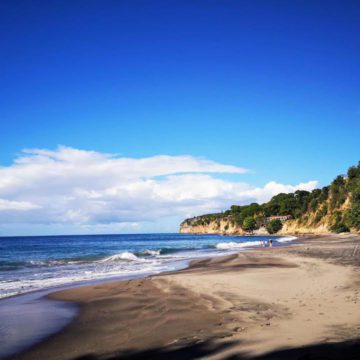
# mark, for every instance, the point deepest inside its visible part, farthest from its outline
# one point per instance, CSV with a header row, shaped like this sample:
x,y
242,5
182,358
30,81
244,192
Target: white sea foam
x,y
48,262
286,239
86,272
234,245
127,262
127,256
152,252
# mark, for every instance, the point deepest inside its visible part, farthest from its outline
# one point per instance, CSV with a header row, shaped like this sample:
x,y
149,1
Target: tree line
x,y
339,203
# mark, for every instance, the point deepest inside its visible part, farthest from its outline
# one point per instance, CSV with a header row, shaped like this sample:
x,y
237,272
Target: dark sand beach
x,y
294,302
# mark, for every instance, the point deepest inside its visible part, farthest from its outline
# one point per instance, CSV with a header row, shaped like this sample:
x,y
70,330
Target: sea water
x,y
34,266
40,262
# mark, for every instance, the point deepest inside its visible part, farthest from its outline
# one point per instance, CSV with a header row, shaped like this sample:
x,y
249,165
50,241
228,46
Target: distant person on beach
x,y
270,243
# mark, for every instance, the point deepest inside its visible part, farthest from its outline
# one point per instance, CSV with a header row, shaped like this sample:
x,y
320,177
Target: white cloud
x,y
16,205
91,190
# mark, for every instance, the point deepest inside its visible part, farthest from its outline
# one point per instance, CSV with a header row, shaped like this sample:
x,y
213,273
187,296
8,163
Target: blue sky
x,y
270,86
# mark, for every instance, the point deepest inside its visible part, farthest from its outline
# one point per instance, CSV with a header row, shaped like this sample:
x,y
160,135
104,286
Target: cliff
x,y
334,208
222,226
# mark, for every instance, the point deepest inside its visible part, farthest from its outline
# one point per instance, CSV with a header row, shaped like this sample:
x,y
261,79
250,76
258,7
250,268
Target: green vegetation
x,y
274,226
337,205
239,213
204,219
353,185
354,216
249,224
339,228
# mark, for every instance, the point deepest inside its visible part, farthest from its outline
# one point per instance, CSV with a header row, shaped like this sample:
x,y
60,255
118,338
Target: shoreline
x,y
132,291
184,264
62,311
38,300
179,264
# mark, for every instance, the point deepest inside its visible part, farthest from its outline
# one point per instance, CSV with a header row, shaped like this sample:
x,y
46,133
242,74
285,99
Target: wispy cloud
x,y
95,190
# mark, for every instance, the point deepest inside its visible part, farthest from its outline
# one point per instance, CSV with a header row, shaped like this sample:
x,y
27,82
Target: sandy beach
x,y
293,302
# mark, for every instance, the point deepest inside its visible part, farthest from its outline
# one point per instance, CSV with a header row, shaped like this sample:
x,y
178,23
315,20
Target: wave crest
x,y
286,239
124,256
234,245
149,253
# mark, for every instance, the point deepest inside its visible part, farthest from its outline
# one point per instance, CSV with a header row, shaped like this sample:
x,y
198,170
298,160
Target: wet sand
x,y
298,302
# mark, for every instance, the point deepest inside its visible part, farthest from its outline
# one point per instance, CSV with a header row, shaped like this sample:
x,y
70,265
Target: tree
x,y
354,216
354,172
356,194
260,219
273,226
339,227
249,224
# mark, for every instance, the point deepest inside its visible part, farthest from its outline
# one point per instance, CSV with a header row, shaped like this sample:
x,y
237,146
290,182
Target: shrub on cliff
x,y
338,204
339,227
274,226
354,216
249,224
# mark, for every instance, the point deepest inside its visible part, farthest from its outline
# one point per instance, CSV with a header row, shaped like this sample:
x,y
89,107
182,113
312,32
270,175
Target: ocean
x,y
34,266
41,262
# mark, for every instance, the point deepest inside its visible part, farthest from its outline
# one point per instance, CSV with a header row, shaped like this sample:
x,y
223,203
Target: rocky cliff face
x,y
223,226
309,224
334,208
306,224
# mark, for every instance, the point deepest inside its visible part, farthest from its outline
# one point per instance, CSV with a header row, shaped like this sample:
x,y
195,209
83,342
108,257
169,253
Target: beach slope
x,y
276,303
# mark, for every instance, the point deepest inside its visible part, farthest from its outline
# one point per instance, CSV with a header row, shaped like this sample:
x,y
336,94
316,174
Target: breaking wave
x,y
234,245
286,239
124,256
163,251
151,253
